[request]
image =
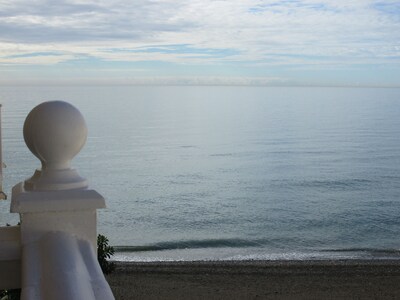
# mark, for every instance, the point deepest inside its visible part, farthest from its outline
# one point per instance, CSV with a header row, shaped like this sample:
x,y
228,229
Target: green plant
x,y
10,294
104,252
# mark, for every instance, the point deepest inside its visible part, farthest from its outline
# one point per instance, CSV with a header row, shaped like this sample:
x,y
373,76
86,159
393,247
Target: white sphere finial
x,y
55,132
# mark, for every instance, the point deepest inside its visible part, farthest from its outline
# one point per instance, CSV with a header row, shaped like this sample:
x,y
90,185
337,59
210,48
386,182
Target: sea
x,y
230,172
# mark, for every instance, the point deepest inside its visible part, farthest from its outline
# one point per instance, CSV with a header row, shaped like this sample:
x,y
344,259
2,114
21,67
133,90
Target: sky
x,y
221,42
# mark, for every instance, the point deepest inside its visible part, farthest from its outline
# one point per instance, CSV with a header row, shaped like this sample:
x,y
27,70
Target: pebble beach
x,y
340,279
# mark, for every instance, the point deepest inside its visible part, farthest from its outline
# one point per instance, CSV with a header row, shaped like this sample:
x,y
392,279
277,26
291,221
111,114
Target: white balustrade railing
x,y
52,254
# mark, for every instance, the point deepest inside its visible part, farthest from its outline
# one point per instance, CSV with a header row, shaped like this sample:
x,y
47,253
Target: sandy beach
x,y
352,279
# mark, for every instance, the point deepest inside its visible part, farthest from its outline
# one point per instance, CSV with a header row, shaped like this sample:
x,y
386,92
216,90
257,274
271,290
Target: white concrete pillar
x,y
57,208
3,196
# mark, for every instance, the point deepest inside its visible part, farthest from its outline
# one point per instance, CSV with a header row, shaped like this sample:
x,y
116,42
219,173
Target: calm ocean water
x,y
231,172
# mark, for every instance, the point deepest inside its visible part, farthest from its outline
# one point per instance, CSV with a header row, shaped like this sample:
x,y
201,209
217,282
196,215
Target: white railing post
x,y
3,196
58,211
10,246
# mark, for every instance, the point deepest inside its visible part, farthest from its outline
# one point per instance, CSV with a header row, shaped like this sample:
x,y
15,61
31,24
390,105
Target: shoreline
x,y
310,279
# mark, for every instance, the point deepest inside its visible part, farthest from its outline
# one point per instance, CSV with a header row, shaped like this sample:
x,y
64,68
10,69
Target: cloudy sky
x,y
267,42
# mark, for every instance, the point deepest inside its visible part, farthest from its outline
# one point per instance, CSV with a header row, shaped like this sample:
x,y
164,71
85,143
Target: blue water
x,y
231,172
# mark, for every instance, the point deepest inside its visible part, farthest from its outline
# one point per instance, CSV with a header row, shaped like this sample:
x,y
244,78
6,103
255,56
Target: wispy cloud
x,y
250,33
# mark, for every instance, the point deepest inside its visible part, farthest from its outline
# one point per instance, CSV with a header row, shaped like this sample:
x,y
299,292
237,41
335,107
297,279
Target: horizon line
x,y
98,84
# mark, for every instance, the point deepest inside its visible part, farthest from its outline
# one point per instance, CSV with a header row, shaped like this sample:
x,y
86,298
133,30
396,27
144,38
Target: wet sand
x,y
352,279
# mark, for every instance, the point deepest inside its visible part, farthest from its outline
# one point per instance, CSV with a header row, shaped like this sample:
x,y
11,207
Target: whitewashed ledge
x,y
10,257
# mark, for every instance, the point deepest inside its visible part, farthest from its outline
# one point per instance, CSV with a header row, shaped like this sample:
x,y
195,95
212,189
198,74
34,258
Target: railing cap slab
x,y
50,201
